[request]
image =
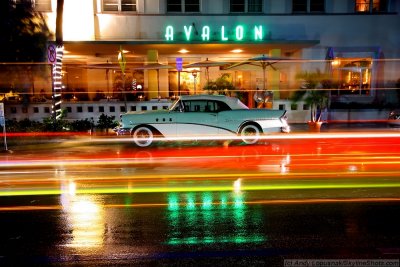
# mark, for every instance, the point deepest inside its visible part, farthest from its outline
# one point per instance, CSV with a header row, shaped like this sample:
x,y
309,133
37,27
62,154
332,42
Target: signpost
x,y
3,124
179,63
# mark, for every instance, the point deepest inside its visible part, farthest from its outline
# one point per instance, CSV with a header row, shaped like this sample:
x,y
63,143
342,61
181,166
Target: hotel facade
x,y
356,41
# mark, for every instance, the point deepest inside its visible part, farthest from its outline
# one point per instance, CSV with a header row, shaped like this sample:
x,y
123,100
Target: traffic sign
x,y
179,62
51,54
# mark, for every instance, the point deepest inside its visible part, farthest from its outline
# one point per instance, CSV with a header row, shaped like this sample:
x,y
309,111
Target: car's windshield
x,y
176,105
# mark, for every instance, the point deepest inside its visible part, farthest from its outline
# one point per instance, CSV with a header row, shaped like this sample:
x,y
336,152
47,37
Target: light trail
x,y
108,161
225,203
201,188
280,136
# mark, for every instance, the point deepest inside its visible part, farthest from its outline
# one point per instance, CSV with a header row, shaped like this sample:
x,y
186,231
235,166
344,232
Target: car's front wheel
x,y
250,133
143,136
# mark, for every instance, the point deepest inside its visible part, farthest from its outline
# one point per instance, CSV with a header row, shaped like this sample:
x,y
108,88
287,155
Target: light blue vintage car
x,y
199,117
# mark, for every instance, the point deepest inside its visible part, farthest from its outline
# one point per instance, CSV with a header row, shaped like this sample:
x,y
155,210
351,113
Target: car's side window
x,y
205,106
221,106
195,106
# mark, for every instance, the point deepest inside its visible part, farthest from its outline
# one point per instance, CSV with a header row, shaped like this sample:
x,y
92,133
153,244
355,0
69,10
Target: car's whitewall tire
x,y
250,133
143,136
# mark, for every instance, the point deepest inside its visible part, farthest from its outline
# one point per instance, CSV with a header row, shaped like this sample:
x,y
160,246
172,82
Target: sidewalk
x,y
351,126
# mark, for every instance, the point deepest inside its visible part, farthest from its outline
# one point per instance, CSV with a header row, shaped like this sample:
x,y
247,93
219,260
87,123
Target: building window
x,y
79,109
237,5
144,108
353,76
46,110
192,6
90,109
317,5
133,108
255,6
122,108
119,5
69,110
366,6
13,110
24,110
183,6
299,6
243,6
43,5
35,110
307,6
101,109
112,109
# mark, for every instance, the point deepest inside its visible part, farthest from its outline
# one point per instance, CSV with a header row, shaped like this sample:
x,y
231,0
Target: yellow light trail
x,y
324,174
204,188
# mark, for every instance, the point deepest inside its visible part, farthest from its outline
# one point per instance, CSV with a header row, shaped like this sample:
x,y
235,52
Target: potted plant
x,y
314,92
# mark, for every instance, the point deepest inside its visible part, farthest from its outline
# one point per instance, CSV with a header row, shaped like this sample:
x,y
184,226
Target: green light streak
x,y
240,239
191,203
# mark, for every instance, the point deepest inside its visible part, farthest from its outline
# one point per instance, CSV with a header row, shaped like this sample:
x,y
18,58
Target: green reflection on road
x,y
195,219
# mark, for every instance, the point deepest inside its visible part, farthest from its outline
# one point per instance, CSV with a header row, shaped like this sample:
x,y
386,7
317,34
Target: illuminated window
x,y
353,75
362,6
242,6
43,5
306,6
183,5
119,5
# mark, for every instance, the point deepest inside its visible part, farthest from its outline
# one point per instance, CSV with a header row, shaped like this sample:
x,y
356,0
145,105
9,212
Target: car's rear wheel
x,y
143,136
250,133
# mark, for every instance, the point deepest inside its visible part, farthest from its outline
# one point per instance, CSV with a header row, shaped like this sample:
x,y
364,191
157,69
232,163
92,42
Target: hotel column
x,y
274,76
152,75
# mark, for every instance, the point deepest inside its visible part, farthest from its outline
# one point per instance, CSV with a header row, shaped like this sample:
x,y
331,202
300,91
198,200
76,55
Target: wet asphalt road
x,y
98,204
94,231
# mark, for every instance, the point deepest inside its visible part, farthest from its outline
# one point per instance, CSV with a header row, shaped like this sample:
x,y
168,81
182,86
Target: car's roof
x,y
233,102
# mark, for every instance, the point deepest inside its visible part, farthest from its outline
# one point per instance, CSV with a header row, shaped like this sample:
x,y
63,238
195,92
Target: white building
x,y
357,41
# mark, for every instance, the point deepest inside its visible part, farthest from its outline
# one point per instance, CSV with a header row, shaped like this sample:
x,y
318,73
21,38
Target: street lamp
x,y
194,73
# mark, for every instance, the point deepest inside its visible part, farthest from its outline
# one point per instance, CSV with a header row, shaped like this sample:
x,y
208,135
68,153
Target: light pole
x,y
194,73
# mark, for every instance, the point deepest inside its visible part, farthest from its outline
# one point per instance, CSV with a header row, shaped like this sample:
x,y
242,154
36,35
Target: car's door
x,y
197,119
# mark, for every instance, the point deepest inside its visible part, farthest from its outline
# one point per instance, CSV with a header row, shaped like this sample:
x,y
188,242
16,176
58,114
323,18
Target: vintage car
x,y
203,117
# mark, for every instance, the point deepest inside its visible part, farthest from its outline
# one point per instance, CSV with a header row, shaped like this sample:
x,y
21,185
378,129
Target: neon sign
x,y
222,33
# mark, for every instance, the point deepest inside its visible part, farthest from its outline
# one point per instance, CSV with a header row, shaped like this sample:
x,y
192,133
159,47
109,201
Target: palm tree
x,y
23,39
314,91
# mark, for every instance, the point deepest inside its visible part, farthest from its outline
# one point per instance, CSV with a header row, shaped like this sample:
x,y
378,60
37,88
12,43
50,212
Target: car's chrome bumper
x,y
122,131
285,129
